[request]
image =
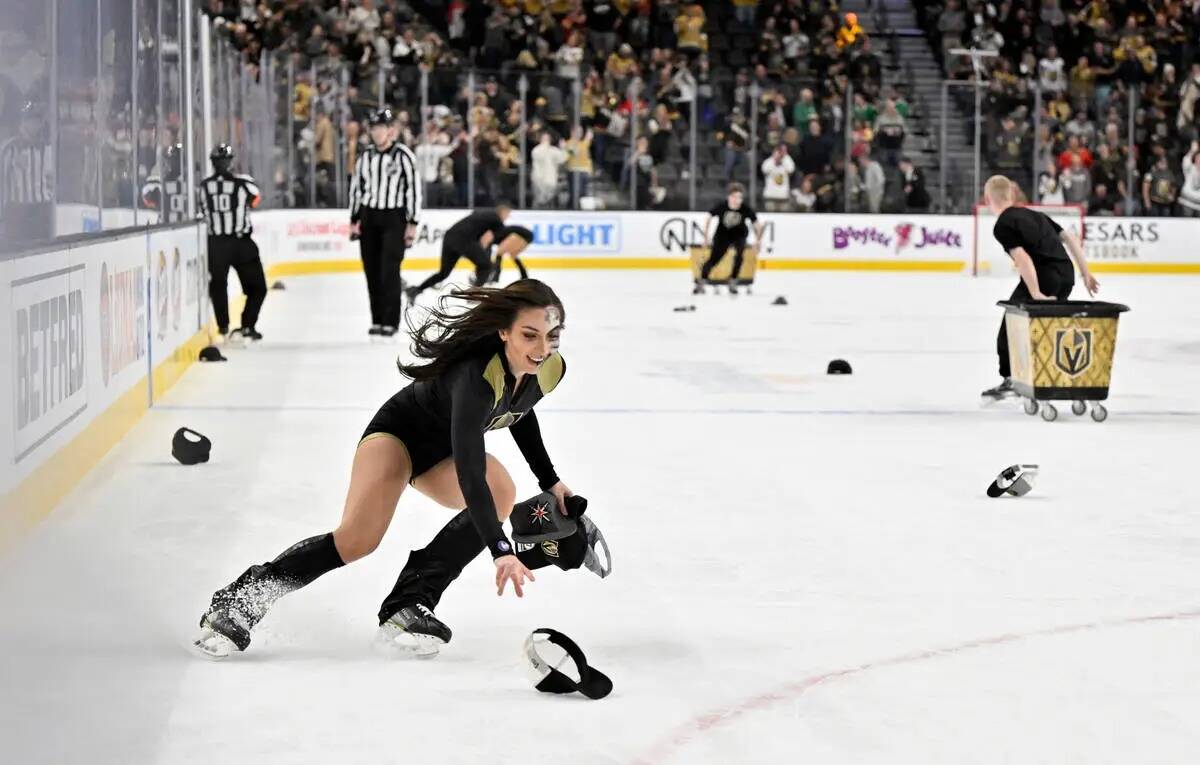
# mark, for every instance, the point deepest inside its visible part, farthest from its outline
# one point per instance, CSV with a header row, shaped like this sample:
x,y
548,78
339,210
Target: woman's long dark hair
x,y
446,336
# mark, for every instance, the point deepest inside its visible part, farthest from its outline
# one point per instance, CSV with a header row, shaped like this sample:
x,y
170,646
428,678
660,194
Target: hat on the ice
x,y
781,300
538,519
211,353
548,651
189,451
838,367
1015,481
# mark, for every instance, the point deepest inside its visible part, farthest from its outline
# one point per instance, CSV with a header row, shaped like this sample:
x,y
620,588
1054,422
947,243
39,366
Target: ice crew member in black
x,y
1036,244
470,238
732,231
225,201
385,205
513,240
485,368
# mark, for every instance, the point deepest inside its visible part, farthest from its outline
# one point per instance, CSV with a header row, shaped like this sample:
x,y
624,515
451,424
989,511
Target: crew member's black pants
x,y
452,250
381,244
1055,280
720,246
241,254
499,264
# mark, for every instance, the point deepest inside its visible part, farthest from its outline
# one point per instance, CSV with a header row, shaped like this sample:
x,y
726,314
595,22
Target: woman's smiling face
x,y
533,336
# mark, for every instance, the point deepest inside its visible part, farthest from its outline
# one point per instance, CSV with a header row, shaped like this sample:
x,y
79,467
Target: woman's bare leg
x,y
379,476
440,483
380,472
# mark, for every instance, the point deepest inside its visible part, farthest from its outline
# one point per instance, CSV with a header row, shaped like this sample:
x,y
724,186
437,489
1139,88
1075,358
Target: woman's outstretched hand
x,y
510,568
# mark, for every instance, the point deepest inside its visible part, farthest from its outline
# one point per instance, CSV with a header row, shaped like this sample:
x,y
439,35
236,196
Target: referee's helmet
x,y
222,157
384,116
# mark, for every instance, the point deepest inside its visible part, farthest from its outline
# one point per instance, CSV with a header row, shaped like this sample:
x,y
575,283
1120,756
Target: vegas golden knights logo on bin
x,y
1073,350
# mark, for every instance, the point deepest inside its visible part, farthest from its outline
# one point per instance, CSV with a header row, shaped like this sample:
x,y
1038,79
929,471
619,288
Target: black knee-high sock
x,y
430,570
257,589
304,561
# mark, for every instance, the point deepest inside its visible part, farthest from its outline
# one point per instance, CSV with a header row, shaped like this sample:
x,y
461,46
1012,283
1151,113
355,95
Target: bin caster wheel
x,y
1099,413
1049,413
1078,408
1031,407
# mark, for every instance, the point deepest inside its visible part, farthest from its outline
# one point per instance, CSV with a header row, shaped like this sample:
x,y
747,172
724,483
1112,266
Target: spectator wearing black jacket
x,y
816,150
916,196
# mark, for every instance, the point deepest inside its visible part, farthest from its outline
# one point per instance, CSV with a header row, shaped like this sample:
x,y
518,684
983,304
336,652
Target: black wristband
x,y
500,547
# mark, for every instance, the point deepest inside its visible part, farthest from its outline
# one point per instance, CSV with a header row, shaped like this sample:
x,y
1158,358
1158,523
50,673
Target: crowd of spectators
x,y
643,67
1100,66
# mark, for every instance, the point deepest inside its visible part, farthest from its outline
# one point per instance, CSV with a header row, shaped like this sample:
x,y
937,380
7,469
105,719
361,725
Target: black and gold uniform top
x,y
474,396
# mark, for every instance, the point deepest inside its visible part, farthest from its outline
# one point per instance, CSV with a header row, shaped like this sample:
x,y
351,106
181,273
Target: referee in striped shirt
x,y
385,203
27,180
225,202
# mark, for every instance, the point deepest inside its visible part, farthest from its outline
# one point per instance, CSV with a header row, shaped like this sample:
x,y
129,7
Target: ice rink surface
x,y
806,568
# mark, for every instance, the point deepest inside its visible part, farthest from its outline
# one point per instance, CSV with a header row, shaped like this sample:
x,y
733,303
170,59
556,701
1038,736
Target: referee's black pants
x,y
454,248
720,246
381,243
241,254
1055,280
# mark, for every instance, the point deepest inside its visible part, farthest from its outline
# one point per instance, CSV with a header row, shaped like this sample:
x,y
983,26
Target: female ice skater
x,y
482,369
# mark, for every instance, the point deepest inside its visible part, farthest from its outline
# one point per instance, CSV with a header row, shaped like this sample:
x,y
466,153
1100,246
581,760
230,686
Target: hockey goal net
x,y
990,259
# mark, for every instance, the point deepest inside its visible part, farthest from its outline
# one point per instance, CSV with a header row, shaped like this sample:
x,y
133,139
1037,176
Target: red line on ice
x,y
681,735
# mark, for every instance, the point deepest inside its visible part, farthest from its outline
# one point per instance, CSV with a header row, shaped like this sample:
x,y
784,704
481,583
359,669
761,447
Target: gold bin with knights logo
x,y
1062,351
721,273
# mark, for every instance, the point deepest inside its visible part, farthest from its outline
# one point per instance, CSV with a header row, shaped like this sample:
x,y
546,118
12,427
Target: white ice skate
x,y
212,645
413,631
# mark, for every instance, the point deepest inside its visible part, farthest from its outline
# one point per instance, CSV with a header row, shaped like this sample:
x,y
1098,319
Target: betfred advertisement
x,y
79,321
49,374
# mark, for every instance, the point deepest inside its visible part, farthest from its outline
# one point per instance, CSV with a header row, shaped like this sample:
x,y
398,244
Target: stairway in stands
x,y
917,69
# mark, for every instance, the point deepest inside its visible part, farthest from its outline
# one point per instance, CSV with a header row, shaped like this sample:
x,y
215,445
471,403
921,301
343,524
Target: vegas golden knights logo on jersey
x,y
504,420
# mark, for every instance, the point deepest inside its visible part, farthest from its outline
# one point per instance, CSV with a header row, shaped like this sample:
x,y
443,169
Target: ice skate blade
x,y
212,646
397,643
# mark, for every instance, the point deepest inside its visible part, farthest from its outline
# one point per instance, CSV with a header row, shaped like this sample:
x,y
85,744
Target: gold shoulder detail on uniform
x,y
494,374
551,373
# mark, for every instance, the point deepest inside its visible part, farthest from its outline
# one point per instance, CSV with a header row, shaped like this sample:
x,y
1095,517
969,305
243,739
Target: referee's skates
x,y
414,630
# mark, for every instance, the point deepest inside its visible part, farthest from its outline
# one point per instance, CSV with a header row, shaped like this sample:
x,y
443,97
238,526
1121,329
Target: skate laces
x,y
425,611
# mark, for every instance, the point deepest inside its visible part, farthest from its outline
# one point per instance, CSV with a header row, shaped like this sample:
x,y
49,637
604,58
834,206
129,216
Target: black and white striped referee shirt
x,y
225,202
386,180
26,173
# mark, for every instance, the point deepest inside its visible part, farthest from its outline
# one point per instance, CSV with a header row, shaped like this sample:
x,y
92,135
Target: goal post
x,y
988,258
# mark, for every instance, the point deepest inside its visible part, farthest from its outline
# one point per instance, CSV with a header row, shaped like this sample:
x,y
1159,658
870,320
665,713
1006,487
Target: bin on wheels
x,y
1062,351
721,272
